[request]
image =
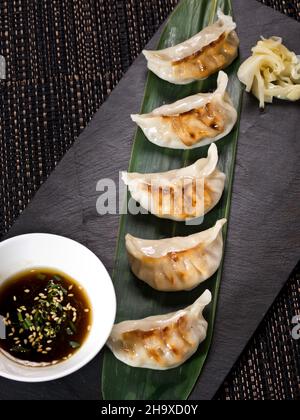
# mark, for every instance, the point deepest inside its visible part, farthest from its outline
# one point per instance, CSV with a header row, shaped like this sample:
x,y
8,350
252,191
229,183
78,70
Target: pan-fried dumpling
x,y
211,50
191,122
180,194
161,342
176,264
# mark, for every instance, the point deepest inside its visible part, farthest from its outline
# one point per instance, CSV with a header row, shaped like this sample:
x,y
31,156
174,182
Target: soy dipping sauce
x,y
47,315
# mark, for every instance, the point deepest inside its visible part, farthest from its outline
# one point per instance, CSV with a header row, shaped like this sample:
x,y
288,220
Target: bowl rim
x,y
92,354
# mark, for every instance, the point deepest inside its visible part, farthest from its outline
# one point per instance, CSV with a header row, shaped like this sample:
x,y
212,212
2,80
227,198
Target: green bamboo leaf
x,y
135,299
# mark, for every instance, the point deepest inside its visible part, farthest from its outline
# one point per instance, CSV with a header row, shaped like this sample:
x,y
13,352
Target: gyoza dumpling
x,y
175,264
161,342
211,50
181,194
191,122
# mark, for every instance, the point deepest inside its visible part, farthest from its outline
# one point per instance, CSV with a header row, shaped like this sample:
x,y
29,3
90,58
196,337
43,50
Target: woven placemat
x,y
63,59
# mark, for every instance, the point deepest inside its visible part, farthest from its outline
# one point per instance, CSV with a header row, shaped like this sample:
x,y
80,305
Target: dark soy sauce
x,y
47,316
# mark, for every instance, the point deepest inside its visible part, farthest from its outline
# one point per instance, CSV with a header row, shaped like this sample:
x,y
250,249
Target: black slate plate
x,y
263,241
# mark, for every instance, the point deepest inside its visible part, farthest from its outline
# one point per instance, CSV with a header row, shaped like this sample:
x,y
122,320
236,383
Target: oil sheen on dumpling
x,y
191,122
176,264
211,50
161,342
180,194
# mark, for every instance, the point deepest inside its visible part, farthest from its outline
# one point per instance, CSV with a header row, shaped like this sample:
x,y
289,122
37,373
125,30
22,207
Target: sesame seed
x,y
27,291
15,298
86,310
48,348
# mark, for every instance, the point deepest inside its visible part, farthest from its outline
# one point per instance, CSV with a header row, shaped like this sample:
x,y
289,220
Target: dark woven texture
x,y
63,59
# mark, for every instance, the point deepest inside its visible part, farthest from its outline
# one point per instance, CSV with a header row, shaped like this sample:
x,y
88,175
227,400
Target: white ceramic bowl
x,y
51,251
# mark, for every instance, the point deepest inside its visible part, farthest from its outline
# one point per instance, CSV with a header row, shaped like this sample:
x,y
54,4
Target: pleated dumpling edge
x,y
192,122
211,50
179,263
180,194
161,342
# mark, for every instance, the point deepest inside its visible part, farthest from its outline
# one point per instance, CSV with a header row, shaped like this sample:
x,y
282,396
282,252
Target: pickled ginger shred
x,y
271,71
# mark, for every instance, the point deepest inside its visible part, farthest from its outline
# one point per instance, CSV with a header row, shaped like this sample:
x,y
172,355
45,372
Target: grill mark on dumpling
x,y
194,195
160,199
182,256
176,259
208,60
177,329
185,200
169,277
132,339
207,196
158,196
182,329
197,268
167,332
200,123
172,198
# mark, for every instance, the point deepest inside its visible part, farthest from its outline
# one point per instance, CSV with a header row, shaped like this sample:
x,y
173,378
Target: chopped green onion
x,y
74,344
20,317
69,331
72,326
65,292
27,324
